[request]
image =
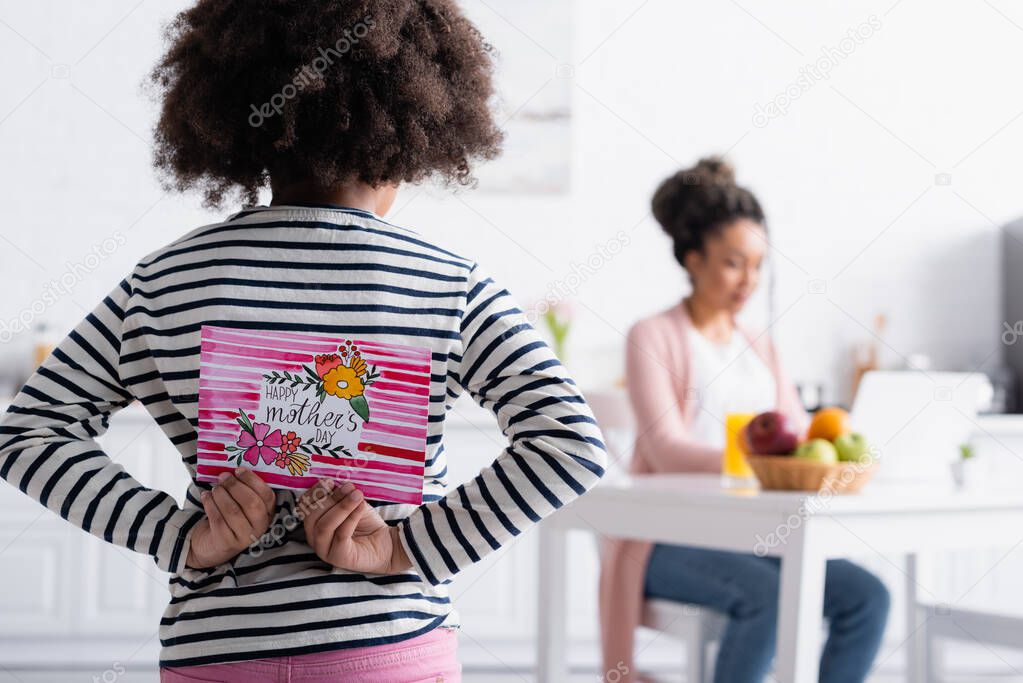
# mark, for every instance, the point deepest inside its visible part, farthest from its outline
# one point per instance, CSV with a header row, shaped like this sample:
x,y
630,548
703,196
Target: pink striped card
x,y
296,407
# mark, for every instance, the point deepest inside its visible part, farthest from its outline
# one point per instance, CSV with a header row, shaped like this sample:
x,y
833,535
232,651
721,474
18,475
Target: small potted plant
x,y
967,471
558,318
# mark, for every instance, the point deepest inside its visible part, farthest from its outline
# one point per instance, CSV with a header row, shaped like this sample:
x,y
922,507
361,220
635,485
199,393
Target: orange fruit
x,y
829,423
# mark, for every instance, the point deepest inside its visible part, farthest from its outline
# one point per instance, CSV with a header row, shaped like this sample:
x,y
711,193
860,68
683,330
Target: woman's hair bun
x,y
715,171
698,201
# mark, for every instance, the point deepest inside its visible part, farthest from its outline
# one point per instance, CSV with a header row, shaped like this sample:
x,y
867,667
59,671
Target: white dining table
x,y
907,521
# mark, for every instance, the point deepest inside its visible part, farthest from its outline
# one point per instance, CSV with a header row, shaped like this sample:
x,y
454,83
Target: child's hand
x,y
238,512
348,533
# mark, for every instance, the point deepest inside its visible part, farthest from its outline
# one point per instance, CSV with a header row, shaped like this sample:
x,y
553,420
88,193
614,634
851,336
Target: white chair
x,y
698,628
942,623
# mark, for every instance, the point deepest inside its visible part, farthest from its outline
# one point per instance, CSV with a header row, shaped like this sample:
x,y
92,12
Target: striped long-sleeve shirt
x,y
302,269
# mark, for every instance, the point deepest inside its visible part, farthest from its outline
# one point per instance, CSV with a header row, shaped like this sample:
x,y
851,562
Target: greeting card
x,y
296,407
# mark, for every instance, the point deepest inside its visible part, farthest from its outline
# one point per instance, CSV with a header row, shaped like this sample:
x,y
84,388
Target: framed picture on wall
x,y
532,46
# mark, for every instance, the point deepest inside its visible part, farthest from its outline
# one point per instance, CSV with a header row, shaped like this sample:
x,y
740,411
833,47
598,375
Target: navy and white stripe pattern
x,y
315,269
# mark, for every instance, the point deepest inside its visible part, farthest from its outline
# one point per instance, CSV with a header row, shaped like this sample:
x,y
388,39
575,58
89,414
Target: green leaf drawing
x,y
361,407
325,449
243,421
371,376
285,377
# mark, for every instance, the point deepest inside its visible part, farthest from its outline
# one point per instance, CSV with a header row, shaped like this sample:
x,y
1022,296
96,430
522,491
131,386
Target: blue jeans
x,y
745,589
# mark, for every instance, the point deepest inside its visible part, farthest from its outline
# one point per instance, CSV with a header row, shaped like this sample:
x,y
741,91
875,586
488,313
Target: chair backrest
x,y
614,415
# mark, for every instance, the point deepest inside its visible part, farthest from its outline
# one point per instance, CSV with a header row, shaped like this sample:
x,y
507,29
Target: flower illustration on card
x,y
290,457
343,382
343,374
290,444
257,442
295,406
327,363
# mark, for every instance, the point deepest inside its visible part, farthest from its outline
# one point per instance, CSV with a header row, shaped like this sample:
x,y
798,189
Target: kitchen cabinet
x,y
69,598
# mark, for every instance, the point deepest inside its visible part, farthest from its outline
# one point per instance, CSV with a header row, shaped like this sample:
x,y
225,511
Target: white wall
x,y
847,175
837,174
75,134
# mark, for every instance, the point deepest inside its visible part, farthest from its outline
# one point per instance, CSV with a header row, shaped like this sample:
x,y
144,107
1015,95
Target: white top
x,y
729,378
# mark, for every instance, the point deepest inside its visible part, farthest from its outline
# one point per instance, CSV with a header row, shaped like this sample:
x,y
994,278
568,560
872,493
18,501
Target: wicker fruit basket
x,y
786,473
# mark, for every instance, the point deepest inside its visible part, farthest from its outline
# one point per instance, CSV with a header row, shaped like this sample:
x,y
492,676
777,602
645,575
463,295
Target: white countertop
x,y
878,497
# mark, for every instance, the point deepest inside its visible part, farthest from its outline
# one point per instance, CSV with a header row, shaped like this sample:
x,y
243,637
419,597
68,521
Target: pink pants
x,y
429,658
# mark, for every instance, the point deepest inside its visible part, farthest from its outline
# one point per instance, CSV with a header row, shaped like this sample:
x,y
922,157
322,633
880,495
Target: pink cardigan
x,y
657,373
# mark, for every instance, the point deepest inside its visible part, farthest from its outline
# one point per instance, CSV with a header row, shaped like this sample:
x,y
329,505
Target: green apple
x,y
818,450
853,447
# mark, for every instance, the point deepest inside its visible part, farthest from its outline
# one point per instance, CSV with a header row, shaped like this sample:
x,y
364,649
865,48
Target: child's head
x,y
324,92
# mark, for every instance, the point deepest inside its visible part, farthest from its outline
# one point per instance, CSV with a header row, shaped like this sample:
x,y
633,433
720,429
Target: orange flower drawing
x,y
343,382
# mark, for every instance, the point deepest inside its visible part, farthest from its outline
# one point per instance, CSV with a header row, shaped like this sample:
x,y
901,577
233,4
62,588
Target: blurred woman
x,y
686,368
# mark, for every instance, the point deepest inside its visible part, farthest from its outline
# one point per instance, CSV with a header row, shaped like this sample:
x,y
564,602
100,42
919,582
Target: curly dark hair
x,y
699,201
324,92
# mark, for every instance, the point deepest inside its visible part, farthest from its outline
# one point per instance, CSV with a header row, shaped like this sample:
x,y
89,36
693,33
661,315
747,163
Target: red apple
x,y
769,433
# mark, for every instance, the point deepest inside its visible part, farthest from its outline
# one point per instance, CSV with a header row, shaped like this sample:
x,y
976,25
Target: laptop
x,y
916,420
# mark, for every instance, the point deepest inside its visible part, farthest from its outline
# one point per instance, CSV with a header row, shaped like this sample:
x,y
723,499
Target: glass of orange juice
x,y
735,471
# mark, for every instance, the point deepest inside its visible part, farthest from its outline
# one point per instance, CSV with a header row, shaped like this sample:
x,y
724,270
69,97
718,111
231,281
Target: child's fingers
x,y
233,516
217,523
327,516
316,501
331,519
343,533
251,505
265,493
308,493
320,490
